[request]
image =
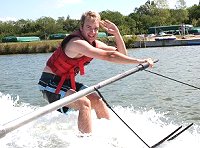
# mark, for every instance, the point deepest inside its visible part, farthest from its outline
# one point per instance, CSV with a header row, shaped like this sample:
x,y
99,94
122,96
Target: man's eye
x,y
88,27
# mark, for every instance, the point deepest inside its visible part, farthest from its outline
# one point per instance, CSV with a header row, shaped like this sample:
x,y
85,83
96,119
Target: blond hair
x,y
89,15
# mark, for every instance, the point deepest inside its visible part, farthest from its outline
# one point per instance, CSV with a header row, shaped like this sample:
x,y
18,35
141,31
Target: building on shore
x,y
172,29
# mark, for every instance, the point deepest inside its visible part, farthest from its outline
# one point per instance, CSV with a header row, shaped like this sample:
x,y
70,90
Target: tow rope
x,y
169,137
172,79
14,124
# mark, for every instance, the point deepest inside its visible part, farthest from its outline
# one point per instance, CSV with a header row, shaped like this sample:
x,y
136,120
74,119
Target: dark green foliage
x,y
148,15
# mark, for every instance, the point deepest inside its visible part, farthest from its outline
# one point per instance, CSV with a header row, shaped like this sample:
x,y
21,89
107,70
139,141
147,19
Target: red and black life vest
x,y
66,67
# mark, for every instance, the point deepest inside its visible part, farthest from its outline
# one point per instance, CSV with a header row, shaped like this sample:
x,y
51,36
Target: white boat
x,y
163,36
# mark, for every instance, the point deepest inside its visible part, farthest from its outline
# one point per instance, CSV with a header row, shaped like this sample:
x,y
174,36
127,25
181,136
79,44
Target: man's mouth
x,y
91,36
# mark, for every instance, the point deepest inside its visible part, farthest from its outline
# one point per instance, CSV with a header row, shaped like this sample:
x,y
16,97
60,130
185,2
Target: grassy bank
x,y
49,45
28,47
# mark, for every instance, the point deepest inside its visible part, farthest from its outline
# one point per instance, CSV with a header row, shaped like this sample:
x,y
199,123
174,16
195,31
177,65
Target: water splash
x,y
56,130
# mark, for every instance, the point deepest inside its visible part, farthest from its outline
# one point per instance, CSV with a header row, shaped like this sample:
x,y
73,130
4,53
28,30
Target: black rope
x,y
120,117
180,132
172,79
164,139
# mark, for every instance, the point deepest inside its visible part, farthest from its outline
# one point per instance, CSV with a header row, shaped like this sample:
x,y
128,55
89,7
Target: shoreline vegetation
x,y
47,46
28,47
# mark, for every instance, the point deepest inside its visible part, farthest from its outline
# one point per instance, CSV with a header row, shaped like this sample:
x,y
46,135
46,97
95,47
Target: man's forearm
x,y
120,44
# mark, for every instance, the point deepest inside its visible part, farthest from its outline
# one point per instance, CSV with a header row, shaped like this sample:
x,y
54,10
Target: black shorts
x,y
48,84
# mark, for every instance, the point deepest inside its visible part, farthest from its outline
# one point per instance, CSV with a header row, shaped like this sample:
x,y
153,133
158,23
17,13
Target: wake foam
x,y
56,130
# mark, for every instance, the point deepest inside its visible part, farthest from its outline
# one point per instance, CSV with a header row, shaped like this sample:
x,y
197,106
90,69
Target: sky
x,y
35,9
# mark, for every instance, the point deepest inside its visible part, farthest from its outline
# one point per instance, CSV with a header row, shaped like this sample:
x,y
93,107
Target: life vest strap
x,y
72,79
63,78
81,67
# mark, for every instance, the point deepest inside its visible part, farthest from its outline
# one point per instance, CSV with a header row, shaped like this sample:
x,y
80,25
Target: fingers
x,y
102,24
150,61
105,23
110,27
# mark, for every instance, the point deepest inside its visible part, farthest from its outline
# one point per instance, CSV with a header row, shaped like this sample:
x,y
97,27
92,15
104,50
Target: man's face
x,y
90,29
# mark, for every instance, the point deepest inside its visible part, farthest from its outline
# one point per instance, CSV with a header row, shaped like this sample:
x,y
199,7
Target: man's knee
x,y
85,103
81,104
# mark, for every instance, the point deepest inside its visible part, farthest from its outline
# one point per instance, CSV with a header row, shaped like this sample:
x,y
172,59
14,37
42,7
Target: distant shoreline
x,y
47,46
187,40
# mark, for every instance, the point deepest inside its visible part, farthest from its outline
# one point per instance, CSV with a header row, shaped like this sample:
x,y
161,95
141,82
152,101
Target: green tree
x,y
149,15
152,13
60,22
47,26
117,18
138,24
143,17
130,26
70,25
8,28
194,15
114,16
146,9
179,16
25,27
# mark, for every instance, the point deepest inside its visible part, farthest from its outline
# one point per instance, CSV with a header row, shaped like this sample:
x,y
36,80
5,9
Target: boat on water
x,y
164,36
20,39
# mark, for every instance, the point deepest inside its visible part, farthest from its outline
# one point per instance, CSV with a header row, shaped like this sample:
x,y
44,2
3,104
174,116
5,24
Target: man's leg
x,y
99,106
84,118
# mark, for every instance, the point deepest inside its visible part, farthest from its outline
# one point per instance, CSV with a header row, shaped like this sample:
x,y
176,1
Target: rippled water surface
x,y
20,74
151,104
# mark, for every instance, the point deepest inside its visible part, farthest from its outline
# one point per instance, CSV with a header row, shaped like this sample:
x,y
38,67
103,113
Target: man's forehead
x,y
92,19
91,22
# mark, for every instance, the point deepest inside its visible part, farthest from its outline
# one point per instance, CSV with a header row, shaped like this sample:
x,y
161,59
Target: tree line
x,y
152,13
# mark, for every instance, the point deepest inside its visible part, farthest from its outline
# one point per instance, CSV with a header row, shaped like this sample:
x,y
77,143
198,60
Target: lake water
x,y
152,105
